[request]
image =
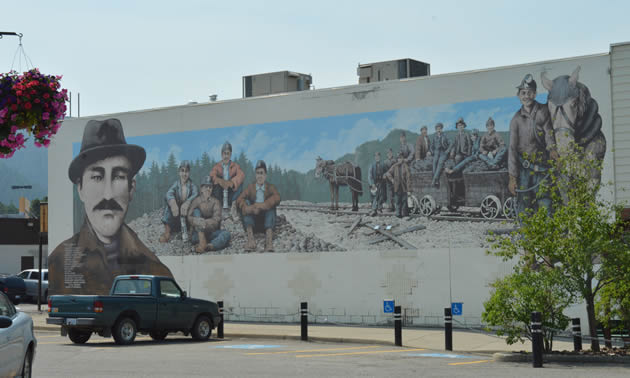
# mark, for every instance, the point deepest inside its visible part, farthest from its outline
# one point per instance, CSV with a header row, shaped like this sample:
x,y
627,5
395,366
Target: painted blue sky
x,y
296,144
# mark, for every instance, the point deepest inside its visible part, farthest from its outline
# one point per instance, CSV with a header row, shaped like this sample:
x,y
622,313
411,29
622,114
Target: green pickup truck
x,y
145,304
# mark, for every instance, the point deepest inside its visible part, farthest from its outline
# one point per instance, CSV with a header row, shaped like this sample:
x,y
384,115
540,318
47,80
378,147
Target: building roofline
x,y
321,90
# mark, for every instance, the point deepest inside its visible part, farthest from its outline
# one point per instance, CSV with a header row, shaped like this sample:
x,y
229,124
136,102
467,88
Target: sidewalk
x,y
431,339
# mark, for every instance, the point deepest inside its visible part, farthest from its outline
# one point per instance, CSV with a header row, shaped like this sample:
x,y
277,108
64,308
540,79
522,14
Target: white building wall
x,y
11,257
620,85
346,285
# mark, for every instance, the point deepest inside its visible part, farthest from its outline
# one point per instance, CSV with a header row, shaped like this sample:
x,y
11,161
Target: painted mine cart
x,y
426,198
486,190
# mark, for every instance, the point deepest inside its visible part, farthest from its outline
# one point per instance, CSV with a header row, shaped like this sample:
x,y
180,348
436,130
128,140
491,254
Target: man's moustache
x,y
109,204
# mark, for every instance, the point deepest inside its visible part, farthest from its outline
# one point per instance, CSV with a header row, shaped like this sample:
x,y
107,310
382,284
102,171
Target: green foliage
x,y
577,238
614,299
515,296
8,209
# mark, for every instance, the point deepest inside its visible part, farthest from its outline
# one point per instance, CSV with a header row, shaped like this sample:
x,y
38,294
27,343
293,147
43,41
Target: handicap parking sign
x,y
388,306
457,308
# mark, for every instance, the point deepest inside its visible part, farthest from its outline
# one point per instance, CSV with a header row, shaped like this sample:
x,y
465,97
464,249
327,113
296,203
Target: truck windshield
x,y
133,287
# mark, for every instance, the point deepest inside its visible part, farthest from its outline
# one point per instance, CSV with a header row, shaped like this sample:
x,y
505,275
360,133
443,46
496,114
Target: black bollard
x,y
537,339
304,320
397,326
220,326
448,329
577,334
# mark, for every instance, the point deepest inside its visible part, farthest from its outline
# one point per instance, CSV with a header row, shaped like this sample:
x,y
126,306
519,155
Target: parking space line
x,y
470,362
357,353
310,350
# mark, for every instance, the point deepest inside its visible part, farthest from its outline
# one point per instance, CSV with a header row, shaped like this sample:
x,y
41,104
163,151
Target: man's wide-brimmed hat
x,y
103,139
460,121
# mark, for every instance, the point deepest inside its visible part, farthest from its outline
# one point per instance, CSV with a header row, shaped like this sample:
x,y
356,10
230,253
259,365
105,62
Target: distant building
x,y
19,244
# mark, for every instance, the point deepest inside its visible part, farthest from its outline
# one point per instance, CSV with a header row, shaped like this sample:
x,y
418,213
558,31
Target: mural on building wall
x,y
353,182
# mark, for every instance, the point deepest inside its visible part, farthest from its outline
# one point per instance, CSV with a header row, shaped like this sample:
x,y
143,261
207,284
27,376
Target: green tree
x,y
614,299
35,204
577,238
515,296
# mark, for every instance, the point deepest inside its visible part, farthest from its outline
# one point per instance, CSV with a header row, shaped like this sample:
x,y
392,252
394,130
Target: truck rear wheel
x,y
78,336
125,331
202,329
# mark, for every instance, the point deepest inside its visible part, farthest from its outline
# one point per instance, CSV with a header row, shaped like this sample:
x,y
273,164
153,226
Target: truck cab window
x,y
133,286
169,289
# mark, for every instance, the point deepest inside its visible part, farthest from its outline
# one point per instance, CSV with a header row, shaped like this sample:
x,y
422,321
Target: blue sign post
x,y
388,306
457,308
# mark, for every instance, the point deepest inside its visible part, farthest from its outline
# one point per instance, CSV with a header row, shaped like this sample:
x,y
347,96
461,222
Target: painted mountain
x,y
28,166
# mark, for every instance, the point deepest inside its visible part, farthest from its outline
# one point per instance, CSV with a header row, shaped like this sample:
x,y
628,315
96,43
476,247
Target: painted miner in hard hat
x,y
530,133
105,246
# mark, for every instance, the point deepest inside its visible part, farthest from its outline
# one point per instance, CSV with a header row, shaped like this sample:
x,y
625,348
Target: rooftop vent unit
x,y
392,70
275,82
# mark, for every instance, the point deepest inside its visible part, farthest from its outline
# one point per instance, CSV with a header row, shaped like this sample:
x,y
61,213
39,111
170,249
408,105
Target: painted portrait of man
x,y
105,246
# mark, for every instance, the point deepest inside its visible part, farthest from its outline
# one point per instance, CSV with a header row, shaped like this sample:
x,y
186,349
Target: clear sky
x,y
131,55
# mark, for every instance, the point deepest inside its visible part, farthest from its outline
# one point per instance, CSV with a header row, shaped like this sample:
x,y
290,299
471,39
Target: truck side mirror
x,y
184,294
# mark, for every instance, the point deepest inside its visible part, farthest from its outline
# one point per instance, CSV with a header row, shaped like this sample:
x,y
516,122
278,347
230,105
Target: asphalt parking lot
x,y
180,356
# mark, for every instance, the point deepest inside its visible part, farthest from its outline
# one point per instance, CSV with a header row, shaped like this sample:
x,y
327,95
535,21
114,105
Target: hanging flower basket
x,y
33,104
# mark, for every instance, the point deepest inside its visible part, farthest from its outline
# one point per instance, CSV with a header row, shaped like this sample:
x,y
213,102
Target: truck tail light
x,y
49,305
98,306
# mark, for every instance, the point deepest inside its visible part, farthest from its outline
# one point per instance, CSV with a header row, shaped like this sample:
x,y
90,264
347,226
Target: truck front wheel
x,y
125,331
202,329
78,336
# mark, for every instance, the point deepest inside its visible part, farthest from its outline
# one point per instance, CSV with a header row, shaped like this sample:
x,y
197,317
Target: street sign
x,y
388,306
457,308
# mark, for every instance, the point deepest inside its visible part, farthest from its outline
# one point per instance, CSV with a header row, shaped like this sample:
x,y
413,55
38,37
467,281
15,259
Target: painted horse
x,y
342,174
575,119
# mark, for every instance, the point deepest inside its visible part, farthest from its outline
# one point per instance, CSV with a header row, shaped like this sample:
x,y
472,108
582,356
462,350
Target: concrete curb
x,y
45,328
579,358
310,338
274,337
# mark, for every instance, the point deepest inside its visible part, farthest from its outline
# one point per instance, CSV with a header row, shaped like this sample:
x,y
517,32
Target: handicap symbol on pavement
x,y
457,308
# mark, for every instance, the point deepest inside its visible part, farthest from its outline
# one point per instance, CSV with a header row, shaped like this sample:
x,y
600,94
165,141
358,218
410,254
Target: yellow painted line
x,y
471,362
309,350
356,353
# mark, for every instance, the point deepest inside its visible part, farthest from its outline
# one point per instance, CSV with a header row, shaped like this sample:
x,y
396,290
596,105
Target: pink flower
x,y
45,115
